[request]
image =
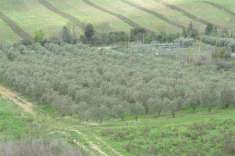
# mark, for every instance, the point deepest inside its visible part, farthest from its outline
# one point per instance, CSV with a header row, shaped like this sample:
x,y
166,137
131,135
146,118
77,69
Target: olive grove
x,y
99,83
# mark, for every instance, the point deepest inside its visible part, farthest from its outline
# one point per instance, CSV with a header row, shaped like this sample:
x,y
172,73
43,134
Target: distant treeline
x,y
138,34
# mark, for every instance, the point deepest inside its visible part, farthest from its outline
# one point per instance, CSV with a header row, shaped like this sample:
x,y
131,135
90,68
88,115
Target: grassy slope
x,y
208,12
13,123
32,16
137,15
199,133
88,14
189,133
177,17
6,34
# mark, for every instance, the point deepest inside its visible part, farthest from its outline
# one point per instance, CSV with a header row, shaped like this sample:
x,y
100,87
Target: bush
x,y
167,37
229,144
190,31
185,42
210,29
39,36
227,96
67,35
137,34
223,65
228,43
89,34
221,53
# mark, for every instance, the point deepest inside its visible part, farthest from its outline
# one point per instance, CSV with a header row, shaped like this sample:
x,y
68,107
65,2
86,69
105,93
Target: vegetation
x,y
165,102
123,77
13,124
96,84
197,133
33,148
50,22
210,29
220,42
39,36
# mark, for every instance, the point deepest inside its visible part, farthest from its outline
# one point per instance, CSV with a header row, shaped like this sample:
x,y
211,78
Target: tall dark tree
x,y
210,29
191,31
137,34
89,32
66,35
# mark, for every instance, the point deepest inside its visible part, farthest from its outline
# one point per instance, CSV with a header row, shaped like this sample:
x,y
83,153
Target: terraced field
x,y
108,15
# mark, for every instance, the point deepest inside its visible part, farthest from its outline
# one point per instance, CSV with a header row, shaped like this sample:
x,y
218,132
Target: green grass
x,y
13,123
198,133
6,34
208,12
190,132
32,16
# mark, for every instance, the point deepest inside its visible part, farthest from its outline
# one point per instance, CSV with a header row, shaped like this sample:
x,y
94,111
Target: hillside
x,y
145,99
19,19
190,133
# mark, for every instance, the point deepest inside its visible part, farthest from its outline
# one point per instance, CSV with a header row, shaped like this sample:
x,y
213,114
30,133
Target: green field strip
x,y
186,13
31,16
6,34
203,11
154,13
15,27
122,18
139,16
102,21
172,15
69,17
220,7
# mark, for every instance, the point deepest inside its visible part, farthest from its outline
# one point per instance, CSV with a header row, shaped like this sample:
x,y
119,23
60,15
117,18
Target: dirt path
x,y
92,145
186,13
28,107
65,15
11,96
15,27
154,13
220,7
112,149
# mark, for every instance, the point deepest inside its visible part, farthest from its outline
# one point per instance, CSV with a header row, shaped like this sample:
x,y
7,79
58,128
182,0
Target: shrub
x,y
167,37
229,144
201,60
185,42
114,37
221,53
228,43
39,36
66,35
223,65
137,34
210,29
88,34
190,31
11,56
227,96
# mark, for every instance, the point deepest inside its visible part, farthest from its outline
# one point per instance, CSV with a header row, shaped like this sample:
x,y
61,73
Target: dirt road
x,y
12,96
